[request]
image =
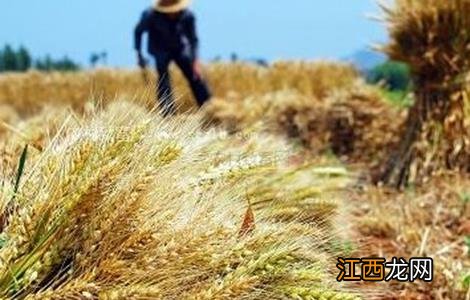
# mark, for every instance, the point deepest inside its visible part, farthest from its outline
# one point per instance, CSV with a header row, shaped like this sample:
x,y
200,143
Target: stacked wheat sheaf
x,y
433,38
121,204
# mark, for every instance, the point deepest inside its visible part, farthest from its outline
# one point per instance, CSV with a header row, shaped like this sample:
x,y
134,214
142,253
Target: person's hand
x,y
141,61
197,69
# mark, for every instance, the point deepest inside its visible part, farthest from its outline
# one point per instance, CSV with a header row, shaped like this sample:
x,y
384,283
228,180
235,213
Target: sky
x,y
268,29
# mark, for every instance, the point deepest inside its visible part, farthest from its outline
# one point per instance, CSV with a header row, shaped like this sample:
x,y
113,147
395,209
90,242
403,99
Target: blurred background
x,y
90,33
395,127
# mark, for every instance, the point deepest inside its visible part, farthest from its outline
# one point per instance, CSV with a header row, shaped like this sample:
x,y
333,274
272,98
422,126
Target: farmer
x,y
172,36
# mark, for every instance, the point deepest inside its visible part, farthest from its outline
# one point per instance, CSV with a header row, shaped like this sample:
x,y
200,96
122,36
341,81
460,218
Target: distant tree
x,y
234,57
20,60
94,59
12,60
63,64
261,62
217,58
104,57
8,59
395,75
44,64
2,60
24,60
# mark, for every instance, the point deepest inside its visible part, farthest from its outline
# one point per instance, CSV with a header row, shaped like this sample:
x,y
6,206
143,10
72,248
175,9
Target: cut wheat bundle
x,y
433,37
130,206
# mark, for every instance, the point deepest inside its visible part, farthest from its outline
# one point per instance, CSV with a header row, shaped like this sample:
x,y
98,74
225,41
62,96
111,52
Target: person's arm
x,y
192,36
139,31
194,42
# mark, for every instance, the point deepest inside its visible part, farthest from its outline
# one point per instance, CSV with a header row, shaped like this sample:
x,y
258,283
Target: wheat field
x,y
252,197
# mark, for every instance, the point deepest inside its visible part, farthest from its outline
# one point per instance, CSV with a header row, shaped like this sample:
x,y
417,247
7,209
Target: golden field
x,y
253,197
28,93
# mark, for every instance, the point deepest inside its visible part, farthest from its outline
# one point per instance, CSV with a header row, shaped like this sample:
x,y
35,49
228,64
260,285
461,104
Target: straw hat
x,y
171,6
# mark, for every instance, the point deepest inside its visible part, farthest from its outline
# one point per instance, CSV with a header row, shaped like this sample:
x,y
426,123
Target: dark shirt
x,y
167,34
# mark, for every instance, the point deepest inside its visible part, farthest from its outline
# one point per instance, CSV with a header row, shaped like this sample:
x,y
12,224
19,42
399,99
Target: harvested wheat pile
x,y
432,37
237,114
356,123
125,205
353,121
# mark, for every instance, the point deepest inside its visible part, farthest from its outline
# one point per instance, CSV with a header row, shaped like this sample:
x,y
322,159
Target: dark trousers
x,y
164,91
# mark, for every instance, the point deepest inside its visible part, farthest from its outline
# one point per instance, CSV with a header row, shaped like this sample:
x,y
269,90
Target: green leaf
x,y
11,205
3,240
330,171
20,172
466,281
465,197
467,243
